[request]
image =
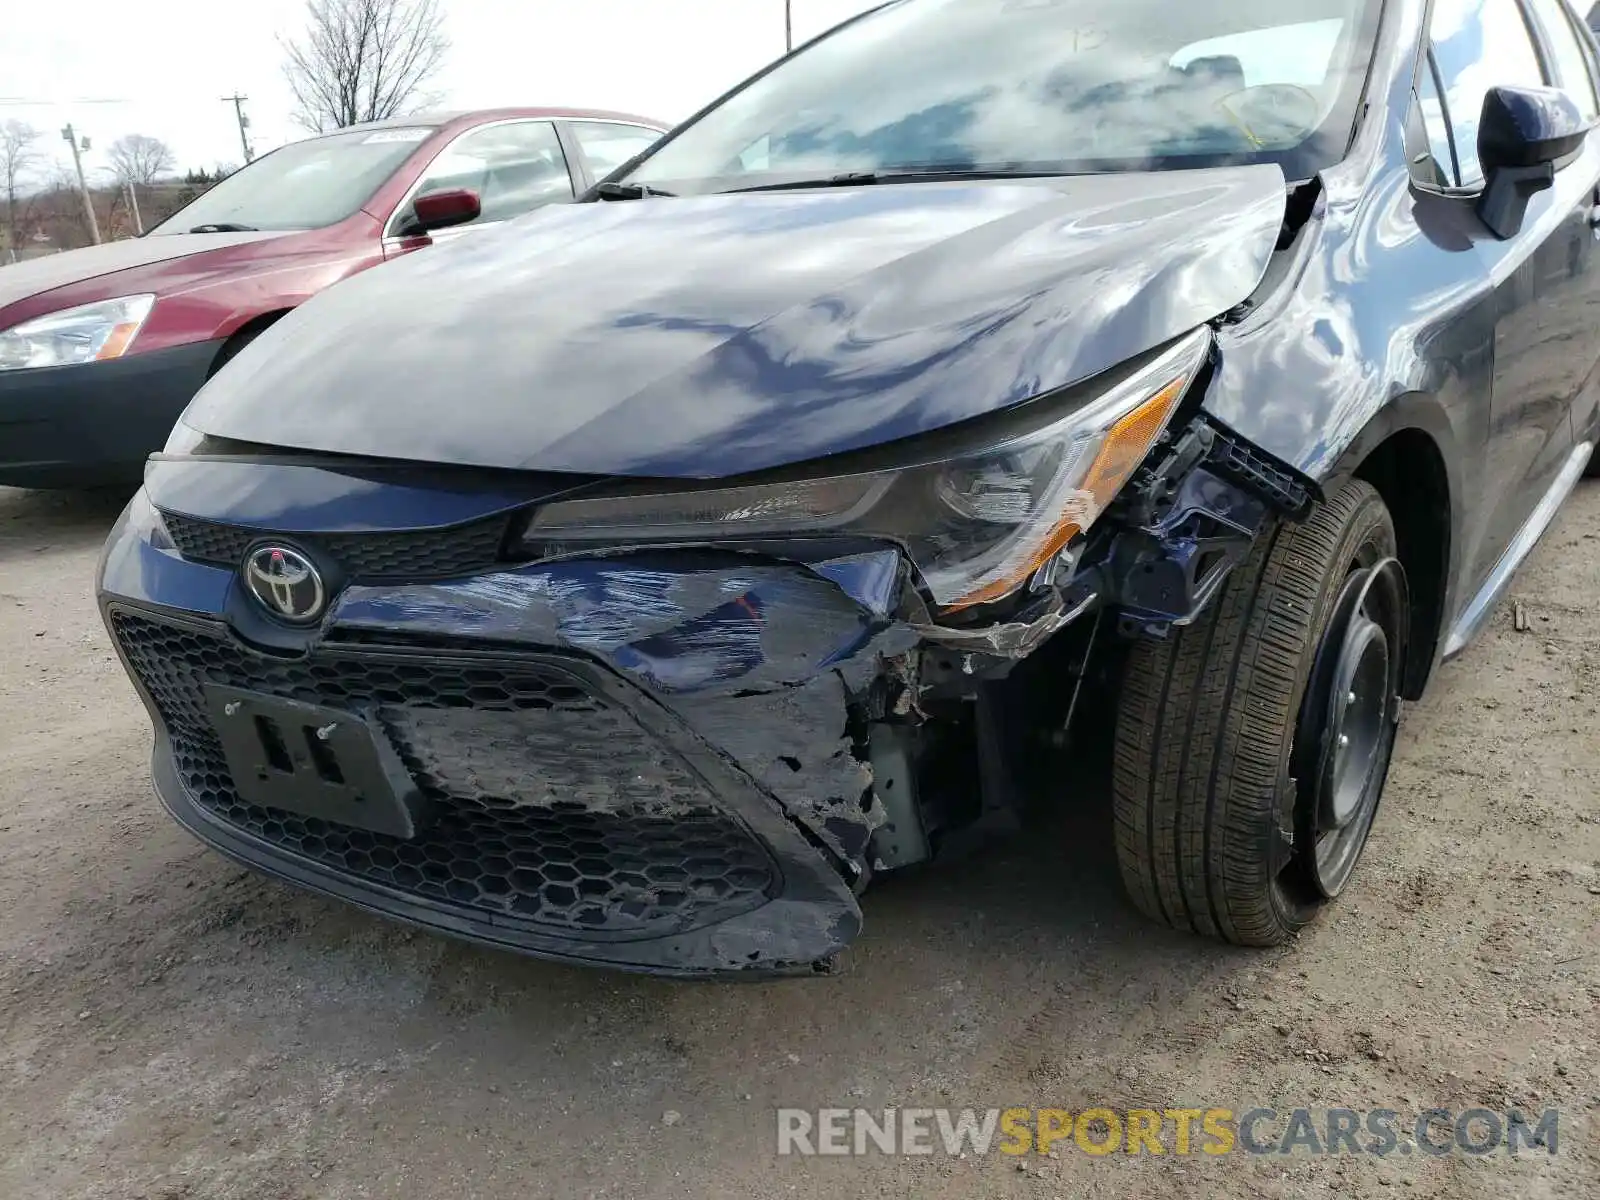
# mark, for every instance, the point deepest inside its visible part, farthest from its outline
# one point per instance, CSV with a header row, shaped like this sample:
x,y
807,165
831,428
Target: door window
x,y
1479,44
607,146
1573,71
514,168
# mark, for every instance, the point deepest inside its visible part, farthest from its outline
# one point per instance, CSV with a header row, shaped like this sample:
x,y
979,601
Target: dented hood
x,y
710,336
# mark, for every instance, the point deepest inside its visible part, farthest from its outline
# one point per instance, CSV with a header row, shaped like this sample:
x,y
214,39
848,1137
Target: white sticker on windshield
x,y
396,135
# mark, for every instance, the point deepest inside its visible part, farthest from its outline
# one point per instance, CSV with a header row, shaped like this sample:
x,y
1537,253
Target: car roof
x,y
479,116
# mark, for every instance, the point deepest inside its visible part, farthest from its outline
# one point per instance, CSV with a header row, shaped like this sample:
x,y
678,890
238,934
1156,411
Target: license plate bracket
x,y
328,763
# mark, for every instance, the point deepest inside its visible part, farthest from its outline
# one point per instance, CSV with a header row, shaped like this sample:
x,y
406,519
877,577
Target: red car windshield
x,y
306,185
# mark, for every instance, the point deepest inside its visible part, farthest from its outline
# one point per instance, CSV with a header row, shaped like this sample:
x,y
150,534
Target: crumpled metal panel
x,y
762,659
739,333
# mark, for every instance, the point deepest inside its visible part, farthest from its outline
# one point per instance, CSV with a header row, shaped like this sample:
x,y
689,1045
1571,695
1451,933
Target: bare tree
x,y
139,159
363,60
18,156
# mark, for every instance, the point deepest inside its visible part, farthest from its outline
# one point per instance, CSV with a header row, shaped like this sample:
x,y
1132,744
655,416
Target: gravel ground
x,y
171,1026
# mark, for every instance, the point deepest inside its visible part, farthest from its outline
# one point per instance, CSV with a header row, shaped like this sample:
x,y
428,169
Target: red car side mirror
x,y
442,209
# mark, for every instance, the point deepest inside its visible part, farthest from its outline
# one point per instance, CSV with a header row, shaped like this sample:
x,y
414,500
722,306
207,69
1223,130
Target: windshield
x,y
302,186
1041,86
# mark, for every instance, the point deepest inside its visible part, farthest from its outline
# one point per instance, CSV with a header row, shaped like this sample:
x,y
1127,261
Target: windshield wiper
x,y
223,227
626,191
919,175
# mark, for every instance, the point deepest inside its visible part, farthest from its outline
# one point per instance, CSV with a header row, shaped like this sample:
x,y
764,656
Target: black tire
x,y
1206,733
1591,469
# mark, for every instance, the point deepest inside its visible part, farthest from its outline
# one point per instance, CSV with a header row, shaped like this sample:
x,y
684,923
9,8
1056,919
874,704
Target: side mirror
x,y
1525,135
442,209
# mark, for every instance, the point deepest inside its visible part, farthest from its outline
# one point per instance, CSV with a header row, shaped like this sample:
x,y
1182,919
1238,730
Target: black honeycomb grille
x,y
409,555
548,805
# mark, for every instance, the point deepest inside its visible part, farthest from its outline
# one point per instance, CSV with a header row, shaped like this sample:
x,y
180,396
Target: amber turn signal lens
x,y
1122,448
116,344
1128,441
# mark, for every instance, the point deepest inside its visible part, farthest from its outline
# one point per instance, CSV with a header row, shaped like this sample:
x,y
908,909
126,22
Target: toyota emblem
x,y
285,583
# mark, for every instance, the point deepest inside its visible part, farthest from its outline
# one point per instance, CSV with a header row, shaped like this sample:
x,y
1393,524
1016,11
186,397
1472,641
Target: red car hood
x,y
22,280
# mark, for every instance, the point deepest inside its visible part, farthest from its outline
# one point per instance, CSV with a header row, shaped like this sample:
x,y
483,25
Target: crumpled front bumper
x,y
652,762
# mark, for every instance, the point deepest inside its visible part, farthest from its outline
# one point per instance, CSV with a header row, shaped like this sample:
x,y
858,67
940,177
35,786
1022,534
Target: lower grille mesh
x,y
547,803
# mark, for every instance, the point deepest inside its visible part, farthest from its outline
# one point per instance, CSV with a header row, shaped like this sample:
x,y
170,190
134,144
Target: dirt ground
x,y
173,1027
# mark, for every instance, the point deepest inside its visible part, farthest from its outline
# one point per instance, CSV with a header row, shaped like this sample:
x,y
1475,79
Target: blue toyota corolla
x,y
634,584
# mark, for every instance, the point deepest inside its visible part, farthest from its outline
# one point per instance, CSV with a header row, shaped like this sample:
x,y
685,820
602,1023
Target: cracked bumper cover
x,y
693,801
655,760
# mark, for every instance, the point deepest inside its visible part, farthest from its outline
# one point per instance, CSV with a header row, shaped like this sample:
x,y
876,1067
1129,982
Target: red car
x,y
101,348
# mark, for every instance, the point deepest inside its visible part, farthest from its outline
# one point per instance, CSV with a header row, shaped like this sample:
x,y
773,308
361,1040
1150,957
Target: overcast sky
x,y
167,63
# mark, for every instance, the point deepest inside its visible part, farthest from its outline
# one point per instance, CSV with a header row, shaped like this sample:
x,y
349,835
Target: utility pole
x,y
133,203
788,25
244,122
71,139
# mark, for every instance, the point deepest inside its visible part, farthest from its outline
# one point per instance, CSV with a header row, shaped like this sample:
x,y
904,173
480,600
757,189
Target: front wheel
x,y
1252,746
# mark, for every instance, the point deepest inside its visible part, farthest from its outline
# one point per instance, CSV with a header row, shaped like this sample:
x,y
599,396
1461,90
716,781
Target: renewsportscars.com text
x,y
1176,1131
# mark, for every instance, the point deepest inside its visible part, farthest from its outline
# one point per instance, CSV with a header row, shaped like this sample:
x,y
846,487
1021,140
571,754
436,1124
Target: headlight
x,y
88,333
183,439
145,523
977,524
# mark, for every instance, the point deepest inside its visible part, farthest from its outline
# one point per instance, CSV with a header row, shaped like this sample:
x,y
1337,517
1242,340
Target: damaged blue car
x,y
635,584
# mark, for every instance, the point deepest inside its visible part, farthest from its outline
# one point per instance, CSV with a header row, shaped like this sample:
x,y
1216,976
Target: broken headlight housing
x,y
978,520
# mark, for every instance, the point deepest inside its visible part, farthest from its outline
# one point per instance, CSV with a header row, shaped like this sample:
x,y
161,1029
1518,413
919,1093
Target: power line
x,y
22,102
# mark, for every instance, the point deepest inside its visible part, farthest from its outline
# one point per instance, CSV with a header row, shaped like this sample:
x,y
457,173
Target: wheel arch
x,y
243,335
1409,452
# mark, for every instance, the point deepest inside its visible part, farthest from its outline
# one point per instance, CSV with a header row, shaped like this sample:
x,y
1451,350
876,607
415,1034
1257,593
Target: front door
x,y
1547,277
1571,57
